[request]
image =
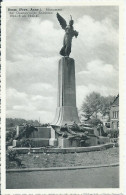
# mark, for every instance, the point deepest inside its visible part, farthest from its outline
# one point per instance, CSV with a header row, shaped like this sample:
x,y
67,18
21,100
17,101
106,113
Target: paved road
x,y
105,177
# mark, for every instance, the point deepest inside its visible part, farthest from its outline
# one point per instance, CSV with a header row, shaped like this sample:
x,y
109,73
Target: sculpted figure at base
x,y
69,34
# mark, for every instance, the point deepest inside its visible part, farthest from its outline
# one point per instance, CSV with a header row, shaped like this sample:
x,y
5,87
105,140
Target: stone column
x,y
17,130
66,111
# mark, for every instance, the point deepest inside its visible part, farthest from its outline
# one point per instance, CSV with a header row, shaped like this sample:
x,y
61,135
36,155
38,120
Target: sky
x,y
32,55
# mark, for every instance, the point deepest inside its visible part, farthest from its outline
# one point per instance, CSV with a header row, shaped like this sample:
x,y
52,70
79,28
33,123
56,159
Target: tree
x,y
12,122
106,103
94,122
95,103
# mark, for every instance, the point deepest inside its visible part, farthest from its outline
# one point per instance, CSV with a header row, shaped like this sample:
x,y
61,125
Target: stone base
x,y
37,142
40,142
103,140
53,142
93,141
16,143
65,114
53,133
43,132
67,143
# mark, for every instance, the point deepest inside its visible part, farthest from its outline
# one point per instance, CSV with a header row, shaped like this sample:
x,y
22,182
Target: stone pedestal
x,y
18,129
42,132
37,142
103,140
93,141
39,138
66,111
53,142
67,143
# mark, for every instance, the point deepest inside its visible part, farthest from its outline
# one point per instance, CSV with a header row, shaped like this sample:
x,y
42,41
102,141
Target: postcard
x,y
62,97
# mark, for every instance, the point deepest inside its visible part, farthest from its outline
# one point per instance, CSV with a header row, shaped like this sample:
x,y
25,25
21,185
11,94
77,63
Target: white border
x,y
121,97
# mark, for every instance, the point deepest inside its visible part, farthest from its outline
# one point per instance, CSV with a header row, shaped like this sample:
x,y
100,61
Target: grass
x,y
43,160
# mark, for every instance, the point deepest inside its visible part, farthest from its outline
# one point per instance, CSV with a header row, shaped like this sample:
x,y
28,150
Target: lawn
x,y
43,160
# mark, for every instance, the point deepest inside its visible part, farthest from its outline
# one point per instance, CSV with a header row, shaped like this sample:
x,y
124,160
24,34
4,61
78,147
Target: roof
x,y
116,101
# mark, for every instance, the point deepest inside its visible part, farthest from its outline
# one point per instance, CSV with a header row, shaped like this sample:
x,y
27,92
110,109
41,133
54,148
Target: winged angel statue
x,y
69,34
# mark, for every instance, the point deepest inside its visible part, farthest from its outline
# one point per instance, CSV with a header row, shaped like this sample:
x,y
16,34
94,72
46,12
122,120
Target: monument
x,y
66,130
66,111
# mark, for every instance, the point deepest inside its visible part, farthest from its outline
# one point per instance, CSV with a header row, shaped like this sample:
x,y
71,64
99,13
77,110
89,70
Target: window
x,y
117,114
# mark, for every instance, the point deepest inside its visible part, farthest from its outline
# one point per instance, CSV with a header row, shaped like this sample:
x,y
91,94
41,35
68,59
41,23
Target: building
x,y
114,114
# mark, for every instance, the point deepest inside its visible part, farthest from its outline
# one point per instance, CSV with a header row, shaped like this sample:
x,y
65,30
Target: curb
x,y
64,150
60,168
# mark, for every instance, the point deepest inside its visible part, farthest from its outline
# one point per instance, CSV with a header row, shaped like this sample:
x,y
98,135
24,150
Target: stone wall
x,y
93,141
40,138
43,132
66,143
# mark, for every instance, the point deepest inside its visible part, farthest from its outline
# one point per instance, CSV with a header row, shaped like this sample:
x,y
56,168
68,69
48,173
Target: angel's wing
x,y
62,21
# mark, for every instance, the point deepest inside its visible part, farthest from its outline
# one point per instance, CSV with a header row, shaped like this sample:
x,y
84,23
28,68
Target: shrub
x,y
10,135
13,156
113,133
26,143
94,122
27,131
